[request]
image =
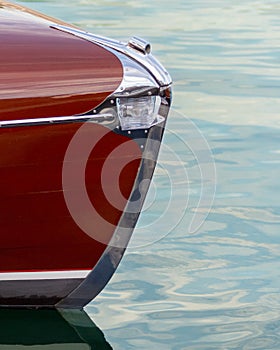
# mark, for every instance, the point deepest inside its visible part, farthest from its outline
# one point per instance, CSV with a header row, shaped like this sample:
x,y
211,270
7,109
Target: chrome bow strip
x,y
137,49
56,120
43,275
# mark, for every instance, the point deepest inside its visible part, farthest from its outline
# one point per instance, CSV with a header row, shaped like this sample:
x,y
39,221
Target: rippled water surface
x,y
202,271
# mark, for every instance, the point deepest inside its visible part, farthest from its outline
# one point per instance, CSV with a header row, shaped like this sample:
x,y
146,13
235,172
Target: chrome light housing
x,y
138,112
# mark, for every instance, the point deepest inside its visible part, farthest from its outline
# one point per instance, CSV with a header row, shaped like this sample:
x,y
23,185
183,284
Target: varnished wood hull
x,y
69,187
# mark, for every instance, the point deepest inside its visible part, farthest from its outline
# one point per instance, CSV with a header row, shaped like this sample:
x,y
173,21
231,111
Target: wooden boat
x,y
81,122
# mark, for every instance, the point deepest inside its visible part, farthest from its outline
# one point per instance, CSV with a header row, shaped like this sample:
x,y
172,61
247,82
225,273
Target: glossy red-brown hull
x,y
37,229
44,253
70,192
45,72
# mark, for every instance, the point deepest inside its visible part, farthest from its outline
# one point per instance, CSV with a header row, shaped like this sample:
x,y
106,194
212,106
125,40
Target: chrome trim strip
x,y
54,120
43,275
144,58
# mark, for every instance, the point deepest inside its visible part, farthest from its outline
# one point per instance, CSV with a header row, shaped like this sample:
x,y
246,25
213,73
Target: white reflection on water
x,y
219,288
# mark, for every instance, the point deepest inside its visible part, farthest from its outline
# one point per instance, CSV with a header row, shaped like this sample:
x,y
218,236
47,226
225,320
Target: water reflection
x,y
49,329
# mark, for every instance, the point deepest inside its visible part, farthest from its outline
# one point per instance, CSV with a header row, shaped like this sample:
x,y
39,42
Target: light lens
x,y
139,112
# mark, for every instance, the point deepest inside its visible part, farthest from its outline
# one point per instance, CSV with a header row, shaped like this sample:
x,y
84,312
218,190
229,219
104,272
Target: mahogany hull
x,y
70,173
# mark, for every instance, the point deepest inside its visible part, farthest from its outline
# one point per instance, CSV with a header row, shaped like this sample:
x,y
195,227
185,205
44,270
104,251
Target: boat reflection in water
x,y
49,329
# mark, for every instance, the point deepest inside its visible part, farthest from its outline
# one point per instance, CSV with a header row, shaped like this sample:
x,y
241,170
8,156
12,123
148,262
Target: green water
x,y
202,270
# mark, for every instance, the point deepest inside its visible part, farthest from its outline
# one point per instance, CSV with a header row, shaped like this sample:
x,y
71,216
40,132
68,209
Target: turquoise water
x,y
202,270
